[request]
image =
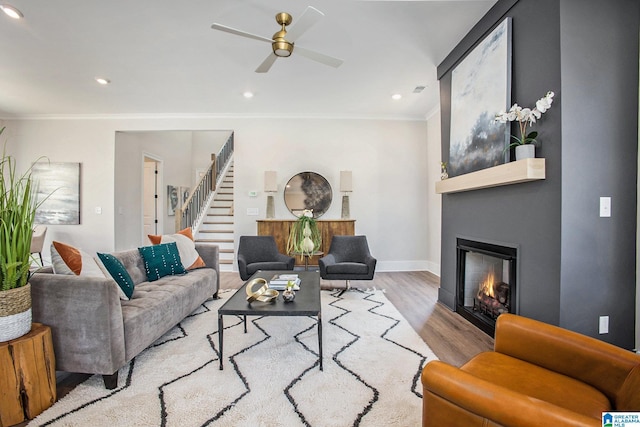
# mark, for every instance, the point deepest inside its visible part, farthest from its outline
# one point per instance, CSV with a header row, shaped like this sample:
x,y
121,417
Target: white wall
x,y
392,173
173,149
434,200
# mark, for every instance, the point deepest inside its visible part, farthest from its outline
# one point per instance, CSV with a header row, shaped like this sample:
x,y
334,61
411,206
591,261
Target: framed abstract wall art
x,y
58,194
173,199
480,88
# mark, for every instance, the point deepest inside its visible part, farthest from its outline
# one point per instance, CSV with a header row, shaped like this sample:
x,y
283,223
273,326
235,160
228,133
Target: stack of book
x,y
279,282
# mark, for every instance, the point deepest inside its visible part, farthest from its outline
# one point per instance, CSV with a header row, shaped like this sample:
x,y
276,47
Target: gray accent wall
x,y
573,266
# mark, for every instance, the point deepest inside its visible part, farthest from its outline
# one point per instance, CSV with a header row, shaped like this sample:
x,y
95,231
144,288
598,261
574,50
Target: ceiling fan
x,y
282,42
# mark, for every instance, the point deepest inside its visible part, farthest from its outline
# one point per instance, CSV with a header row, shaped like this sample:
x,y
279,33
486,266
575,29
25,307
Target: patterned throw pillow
x,y
66,259
119,274
161,260
186,247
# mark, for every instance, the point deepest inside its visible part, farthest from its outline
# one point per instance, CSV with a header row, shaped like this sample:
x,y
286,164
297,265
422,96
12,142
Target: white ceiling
x,y
163,58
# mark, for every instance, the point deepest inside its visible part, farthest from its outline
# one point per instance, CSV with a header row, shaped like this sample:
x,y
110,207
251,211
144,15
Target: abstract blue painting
x,y
480,88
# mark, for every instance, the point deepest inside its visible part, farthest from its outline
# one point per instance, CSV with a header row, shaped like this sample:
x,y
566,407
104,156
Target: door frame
x,y
160,194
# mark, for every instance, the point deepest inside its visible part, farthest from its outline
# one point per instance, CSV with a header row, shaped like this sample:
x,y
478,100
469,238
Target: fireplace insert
x,y
486,282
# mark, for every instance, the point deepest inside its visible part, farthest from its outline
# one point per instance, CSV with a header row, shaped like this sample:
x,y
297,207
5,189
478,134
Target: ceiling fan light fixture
x,y
282,48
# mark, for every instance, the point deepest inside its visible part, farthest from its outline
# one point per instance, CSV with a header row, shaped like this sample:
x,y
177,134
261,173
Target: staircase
x,y
218,226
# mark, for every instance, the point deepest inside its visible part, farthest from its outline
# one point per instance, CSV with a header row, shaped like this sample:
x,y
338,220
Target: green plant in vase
x,y
17,213
304,236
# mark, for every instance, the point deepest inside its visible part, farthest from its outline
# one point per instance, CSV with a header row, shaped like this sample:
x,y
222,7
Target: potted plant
x,y
17,213
304,236
525,116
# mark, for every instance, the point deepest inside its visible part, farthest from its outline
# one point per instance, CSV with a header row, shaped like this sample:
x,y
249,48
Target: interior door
x,y
150,197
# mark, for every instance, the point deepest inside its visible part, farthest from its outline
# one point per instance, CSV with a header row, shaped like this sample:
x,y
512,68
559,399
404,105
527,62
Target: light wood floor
x,y
415,294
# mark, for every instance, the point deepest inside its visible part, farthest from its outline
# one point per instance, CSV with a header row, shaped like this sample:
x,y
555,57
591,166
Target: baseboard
x,y
391,266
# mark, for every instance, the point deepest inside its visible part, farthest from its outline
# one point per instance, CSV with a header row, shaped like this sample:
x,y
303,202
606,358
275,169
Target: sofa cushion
x,y
186,247
536,382
119,274
66,259
271,265
348,268
157,306
161,260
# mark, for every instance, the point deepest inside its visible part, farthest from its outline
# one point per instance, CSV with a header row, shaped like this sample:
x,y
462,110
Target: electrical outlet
x,y
605,207
604,325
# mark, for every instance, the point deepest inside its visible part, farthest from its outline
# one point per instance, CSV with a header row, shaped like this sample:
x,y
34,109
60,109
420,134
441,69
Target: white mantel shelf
x,y
509,173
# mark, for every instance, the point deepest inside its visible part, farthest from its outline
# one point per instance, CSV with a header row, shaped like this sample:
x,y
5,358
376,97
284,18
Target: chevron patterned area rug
x,y
372,365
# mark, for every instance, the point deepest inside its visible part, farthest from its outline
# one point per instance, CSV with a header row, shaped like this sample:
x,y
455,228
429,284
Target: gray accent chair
x,y
37,240
348,259
260,253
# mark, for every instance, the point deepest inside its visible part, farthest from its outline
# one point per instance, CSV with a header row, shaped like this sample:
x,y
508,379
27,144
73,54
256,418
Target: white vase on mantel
x,y
526,151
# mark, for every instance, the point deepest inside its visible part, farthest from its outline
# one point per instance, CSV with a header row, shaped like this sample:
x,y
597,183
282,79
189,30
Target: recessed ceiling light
x,y
103,81
248,94
11,11
396,96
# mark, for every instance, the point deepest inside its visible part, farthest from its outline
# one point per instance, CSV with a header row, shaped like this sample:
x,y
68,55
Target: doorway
x,y
150,197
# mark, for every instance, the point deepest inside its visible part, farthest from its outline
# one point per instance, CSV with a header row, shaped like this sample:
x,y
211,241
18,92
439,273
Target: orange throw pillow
x,y
186,247
69,260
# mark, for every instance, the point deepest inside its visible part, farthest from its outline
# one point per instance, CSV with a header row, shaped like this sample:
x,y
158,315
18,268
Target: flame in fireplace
x,y
487,287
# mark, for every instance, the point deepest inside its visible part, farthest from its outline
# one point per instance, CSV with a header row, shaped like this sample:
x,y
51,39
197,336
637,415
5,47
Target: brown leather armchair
x,y
537,375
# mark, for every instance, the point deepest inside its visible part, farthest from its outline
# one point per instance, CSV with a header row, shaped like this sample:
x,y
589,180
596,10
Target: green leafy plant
x,y
17,213
298,242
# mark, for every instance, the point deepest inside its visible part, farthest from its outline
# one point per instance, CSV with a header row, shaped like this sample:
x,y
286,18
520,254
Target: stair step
x,y
226,251
217,222
215,240
225,261
216,231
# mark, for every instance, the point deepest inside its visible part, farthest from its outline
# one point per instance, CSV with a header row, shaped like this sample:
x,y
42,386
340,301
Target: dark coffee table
x,y
306,303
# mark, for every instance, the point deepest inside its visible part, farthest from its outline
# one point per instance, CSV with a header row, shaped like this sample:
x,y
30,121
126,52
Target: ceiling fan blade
x,y
319,57
308,19
226,29
266,64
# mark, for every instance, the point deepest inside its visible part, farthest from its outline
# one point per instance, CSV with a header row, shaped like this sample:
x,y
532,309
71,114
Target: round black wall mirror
x,y
308,190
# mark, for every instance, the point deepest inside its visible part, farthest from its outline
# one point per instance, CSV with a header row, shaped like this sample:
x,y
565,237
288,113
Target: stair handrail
x,y
194,207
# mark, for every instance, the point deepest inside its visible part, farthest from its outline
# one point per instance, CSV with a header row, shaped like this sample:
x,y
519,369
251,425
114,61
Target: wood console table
x,y
279,229
27,375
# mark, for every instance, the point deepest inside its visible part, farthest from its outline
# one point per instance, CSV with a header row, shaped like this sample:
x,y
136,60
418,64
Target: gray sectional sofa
x,y
96,332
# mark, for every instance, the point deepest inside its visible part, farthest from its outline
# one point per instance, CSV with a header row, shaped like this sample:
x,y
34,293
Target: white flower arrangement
x,y
524,117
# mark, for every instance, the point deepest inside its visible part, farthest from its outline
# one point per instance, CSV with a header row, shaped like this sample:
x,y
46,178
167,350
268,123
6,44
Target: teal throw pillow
x,y
119,274
161,260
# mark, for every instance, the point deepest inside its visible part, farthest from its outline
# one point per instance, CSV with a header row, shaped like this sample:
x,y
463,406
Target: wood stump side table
x,y
27,376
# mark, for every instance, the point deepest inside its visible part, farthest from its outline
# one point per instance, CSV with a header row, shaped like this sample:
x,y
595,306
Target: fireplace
x,y
486,282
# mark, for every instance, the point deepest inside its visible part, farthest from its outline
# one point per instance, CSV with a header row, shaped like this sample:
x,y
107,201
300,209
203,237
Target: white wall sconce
x,y
270,187
346,186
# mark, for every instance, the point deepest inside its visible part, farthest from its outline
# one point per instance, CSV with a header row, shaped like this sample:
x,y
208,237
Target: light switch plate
x,y
253,211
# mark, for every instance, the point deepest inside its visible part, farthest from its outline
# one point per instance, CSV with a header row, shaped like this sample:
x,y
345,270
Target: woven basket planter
x,y
15,313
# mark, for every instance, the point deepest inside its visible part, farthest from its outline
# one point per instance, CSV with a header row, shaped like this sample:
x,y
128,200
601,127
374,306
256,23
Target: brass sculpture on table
x,y
263,294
